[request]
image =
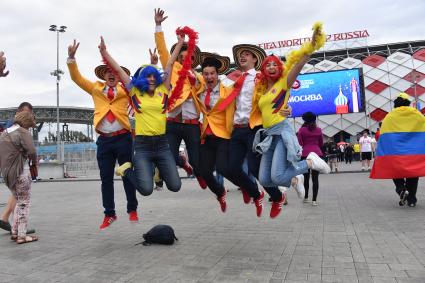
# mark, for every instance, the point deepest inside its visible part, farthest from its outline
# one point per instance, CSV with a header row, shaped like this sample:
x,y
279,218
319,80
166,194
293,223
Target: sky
x,y
128,28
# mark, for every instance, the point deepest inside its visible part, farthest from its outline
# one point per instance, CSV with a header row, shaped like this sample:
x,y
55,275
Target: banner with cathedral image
x,y
325,93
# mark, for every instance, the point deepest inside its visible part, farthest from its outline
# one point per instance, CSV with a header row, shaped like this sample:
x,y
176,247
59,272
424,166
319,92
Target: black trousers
x,y
213,156
315,180
240,148
191,135
410,184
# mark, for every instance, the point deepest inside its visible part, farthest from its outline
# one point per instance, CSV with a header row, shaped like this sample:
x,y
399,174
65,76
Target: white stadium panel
x,y
399,57
388,93
354,129
387,66
385,79
330,131
413,63
392,78
421,69
367,68
387,106
422,83
401,71
363,122
401,85
378,101
343,123
367,81
369,95
350,63
353,117
329,119
307,68
325,65
375,74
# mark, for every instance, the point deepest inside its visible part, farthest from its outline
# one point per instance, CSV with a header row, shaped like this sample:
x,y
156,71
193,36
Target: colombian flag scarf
x,y
401,147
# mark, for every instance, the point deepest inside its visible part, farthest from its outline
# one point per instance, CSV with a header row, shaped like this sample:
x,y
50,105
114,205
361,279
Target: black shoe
x,y
5,226
412,204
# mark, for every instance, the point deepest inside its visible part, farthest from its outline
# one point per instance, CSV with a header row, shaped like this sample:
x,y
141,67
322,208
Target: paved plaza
x,y
358,233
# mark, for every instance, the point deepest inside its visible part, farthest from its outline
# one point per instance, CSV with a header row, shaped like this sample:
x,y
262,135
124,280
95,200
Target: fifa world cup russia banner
x,y
325,93
299,41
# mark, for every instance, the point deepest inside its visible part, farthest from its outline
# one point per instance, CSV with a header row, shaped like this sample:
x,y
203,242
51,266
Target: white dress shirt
x,y
244,99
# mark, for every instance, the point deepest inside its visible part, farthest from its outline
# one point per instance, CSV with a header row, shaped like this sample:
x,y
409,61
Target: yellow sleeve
x,y
79,79
161,46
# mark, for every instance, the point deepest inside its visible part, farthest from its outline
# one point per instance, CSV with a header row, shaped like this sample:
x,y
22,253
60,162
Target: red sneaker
x,y
132,216
246,196
277,206
259,204
107,221
186,166
222,201
201,182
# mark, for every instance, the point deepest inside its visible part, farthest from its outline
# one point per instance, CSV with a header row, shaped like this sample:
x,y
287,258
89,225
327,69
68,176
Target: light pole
x,y
57,73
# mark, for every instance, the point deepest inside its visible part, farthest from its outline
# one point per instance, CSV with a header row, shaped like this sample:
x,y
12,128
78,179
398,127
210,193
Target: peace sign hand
x,y
72,49
153,56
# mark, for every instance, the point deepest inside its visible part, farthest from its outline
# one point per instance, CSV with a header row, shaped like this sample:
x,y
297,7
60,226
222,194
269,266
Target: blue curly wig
x,y
139,80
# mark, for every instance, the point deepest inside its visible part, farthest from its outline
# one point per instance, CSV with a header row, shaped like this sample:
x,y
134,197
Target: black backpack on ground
x,y
160,234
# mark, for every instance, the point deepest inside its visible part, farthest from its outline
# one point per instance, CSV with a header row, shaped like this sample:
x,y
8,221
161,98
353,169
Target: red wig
x,y
265,75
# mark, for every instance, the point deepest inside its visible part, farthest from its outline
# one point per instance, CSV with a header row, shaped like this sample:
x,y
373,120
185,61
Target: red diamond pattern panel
x,y
419,90
378,114
420,55
373,60
414,74
377,87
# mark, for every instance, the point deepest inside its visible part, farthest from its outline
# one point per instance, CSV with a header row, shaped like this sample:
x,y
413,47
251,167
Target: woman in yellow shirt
x,y
280,149
148,95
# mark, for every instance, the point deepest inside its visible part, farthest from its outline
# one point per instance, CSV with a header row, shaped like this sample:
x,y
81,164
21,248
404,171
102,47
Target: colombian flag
x,y
401,147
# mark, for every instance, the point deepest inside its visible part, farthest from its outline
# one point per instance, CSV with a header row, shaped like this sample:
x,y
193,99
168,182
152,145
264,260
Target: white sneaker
x,y
363,168
158,188
299,186
306,200
318,163
314,203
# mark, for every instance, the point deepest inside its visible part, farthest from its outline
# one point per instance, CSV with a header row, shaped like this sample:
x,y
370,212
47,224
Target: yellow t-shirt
x,y
152,119
272,101
356,147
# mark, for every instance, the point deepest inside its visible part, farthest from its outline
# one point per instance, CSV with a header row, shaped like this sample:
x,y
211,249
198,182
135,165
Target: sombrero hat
x,y
196,60
222,63
258,52
101,70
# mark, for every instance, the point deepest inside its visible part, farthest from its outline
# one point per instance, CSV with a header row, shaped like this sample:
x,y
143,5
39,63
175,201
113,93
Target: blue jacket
x,y
289,138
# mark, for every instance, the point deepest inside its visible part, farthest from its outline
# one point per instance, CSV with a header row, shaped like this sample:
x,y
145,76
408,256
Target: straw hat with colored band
x,y
258,52
222,63
101,70
196,60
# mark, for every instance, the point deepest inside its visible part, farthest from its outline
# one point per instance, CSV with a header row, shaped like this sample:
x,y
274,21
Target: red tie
x,y
208,99
110,116
237,87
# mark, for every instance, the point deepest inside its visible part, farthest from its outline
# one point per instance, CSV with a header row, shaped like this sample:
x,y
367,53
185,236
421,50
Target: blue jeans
x,y
109,150
150,152
275,169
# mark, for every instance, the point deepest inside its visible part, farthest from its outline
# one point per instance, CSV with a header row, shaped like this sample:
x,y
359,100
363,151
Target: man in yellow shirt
x,y
111,123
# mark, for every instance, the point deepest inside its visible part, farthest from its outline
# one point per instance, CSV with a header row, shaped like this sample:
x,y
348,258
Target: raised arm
x,y
3,65
112,63
82,82
317,41
173,57
164,55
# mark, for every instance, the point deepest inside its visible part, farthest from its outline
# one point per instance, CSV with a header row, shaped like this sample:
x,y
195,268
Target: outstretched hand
x,y
153,56
159,16
72,49
3,65
102,45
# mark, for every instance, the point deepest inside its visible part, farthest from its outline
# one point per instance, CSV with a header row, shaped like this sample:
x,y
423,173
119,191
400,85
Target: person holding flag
x,y
400,153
